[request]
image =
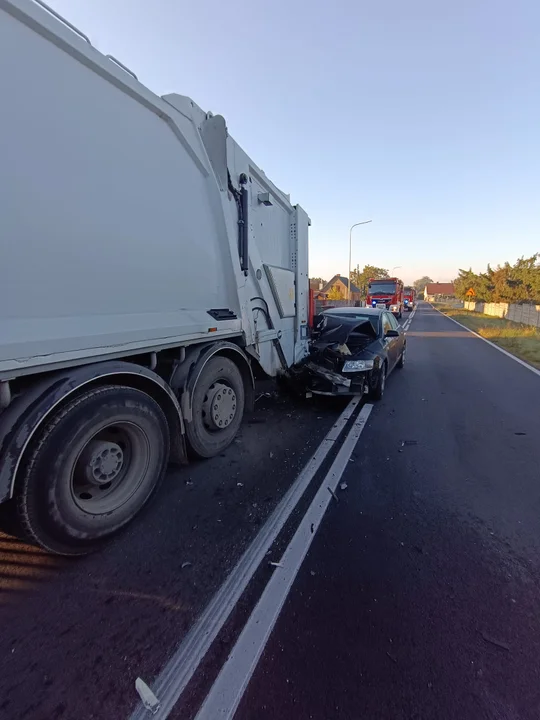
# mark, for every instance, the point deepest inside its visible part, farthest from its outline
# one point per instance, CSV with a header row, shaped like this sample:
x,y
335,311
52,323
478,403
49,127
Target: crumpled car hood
x,y
342,335
336,339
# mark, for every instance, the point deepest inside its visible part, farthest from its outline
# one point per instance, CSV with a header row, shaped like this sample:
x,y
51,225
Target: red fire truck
x,y
386,293
409,298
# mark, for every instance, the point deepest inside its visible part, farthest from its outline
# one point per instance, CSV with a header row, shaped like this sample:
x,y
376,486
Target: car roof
x,y
354,310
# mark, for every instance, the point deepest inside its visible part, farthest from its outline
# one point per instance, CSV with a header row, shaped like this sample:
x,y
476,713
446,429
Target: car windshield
x,y
373,319
382,287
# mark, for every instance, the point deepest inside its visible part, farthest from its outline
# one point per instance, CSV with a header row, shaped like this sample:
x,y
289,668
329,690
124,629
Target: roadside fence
x,y
525,314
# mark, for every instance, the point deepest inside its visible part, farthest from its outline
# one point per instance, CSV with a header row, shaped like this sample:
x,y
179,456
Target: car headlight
x,y
393,308
357,365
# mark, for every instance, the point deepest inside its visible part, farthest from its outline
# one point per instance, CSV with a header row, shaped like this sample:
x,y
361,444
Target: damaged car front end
x,y
340,362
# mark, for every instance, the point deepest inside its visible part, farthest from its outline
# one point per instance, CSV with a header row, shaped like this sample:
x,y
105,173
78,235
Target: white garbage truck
x,y
149,271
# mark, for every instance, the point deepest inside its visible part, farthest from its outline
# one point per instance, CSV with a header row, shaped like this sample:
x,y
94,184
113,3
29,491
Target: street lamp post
x,y
350,255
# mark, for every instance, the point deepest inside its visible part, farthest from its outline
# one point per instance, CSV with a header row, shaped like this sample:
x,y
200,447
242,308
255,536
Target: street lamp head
x,y
364,222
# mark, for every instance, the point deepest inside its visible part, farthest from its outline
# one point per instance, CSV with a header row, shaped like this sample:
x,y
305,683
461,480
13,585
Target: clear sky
x,y
422,115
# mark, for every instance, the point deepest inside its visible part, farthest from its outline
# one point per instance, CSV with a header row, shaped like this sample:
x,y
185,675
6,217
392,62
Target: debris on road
x,y
494,641
271,454
408,442
393,658
149,700
239,484
275,564
333,494
343,486
186,564
264,394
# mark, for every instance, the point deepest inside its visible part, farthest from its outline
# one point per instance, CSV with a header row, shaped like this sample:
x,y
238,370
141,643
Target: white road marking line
x,y
226,693
179,670
500,349
407,323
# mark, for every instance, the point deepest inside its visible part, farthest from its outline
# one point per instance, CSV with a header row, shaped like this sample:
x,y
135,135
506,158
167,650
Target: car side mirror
x,y
392,333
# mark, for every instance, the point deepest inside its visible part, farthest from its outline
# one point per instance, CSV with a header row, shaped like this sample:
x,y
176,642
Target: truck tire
x,y
94,465
217,408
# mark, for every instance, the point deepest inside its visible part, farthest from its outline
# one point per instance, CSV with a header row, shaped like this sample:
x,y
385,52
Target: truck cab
x,y
409,298
386,293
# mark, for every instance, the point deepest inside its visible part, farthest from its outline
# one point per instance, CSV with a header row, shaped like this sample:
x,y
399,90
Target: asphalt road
x,y
77,633
418,597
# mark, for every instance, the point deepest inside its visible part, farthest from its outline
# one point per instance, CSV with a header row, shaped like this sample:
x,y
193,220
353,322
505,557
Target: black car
x,y
353,350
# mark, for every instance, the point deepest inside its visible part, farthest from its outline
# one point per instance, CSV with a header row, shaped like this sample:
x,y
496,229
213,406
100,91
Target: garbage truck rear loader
x,y
149,269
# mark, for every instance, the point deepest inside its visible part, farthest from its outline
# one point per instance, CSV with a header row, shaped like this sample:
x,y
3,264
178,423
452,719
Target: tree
x,y
480,284
361,279
506,283
516,283
420,284
335,293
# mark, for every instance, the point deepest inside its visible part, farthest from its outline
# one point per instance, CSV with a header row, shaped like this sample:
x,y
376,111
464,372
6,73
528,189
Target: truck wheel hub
x,y
102,462
219,406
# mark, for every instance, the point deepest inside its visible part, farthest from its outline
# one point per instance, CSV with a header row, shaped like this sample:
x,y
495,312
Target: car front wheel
x,y
380,384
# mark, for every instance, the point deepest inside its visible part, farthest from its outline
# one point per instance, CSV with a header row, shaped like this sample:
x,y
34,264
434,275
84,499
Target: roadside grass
x,y
523,341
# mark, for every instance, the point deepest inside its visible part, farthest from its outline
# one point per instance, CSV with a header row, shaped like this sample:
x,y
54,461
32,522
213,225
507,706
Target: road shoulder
x,y
520,346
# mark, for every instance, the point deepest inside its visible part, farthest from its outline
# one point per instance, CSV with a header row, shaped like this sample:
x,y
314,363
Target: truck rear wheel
x,y
217,408
93,467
